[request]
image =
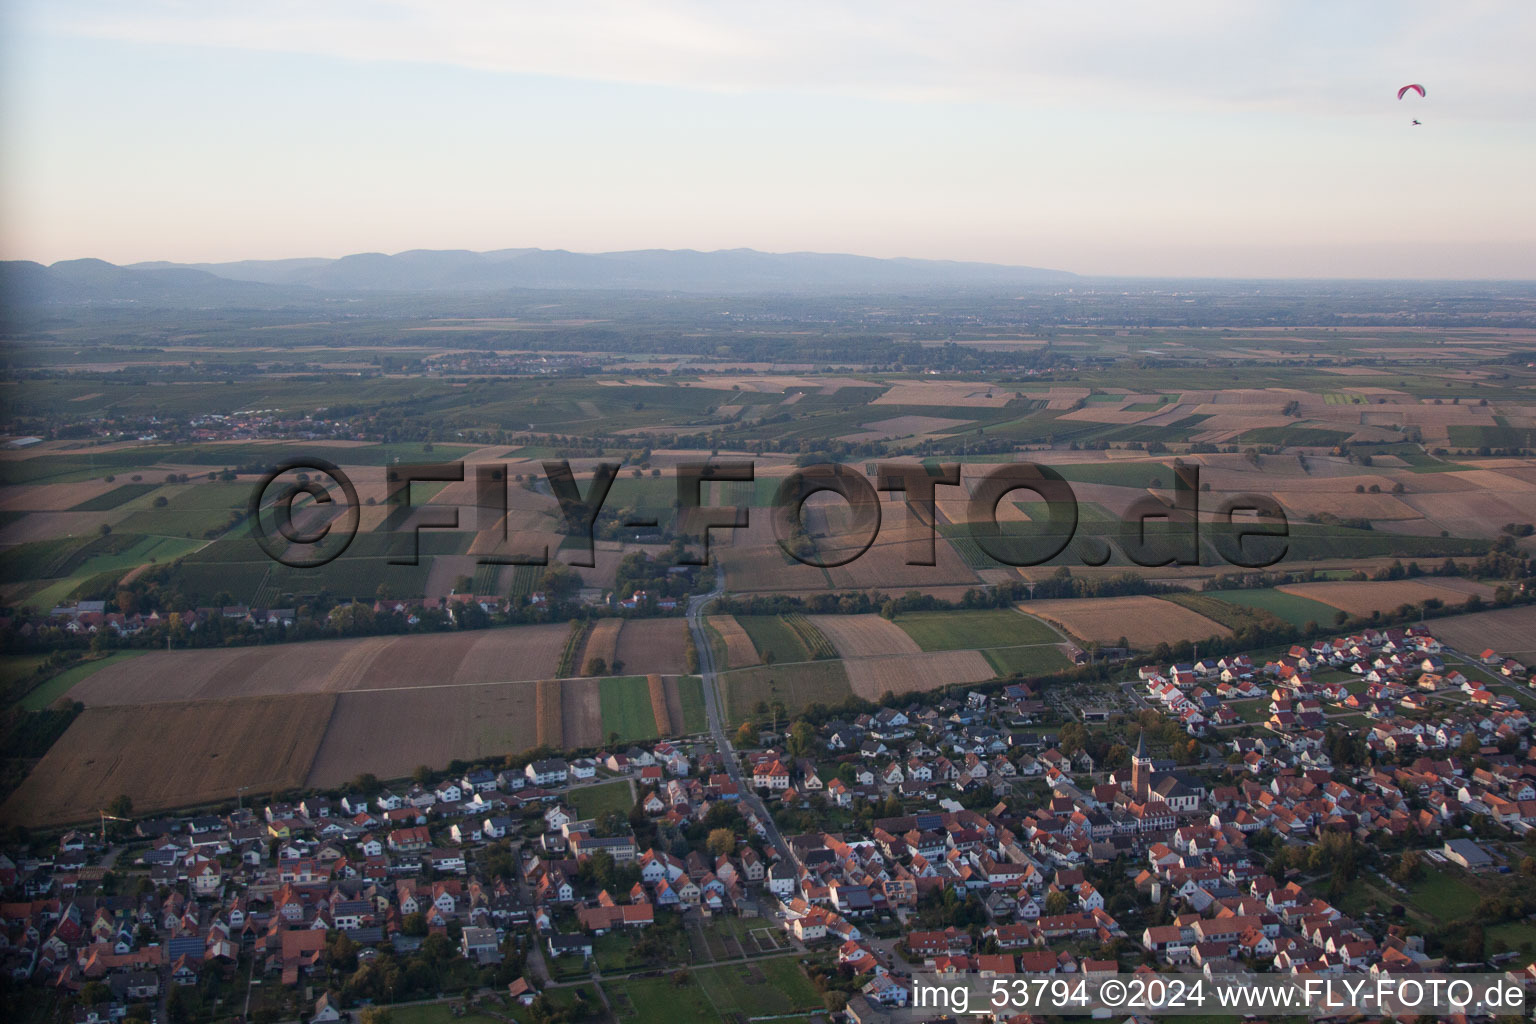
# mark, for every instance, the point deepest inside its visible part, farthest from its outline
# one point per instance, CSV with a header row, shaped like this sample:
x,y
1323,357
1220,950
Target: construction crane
x,y
105,817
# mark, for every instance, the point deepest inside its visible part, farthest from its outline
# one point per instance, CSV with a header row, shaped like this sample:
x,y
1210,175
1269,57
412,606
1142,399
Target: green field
x,y
1443,896
1229,613
763,988
626,705
974,630
1028,661
194,510
596,801
113,498
771,987
106,557
16,667
795,685
691,691
773,638
59,685
1298,611
1119,474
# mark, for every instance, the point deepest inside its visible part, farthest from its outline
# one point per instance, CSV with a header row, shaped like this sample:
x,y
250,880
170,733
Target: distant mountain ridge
x,y
738,271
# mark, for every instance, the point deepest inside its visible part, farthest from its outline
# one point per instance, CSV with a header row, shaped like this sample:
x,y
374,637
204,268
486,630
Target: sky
x,y
1176,138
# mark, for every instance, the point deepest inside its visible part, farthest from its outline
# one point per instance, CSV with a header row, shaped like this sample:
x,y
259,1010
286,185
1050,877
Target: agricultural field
x,y
627,709
1509,631
1365,597
909,673
59,685
1142,620
735,644
581,715
119,495
795,685
390,732
860,636
602,648
653,645
416,662
1035,660
198,511
959,630
268,743
777,642
1287,607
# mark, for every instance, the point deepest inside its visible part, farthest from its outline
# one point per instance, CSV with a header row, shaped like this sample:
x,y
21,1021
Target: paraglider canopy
x,y
1410,88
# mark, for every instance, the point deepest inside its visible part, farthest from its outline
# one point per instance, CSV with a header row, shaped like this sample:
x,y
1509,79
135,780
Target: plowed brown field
x,y
171,755
330,666
390,732
581,718
654,645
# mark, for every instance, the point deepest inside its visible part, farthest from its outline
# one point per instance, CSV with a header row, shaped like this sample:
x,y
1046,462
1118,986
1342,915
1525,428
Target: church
x,y
1151,780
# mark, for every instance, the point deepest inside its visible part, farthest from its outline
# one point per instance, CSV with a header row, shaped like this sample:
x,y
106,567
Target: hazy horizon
x,y
1087,277
1187,140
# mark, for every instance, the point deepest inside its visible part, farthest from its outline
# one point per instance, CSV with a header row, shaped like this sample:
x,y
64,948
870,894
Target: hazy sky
x,y
1224,138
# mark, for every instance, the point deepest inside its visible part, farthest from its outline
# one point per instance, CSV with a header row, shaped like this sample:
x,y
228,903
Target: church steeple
x,y
1141,769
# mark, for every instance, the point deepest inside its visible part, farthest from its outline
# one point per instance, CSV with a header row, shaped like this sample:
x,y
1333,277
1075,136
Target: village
x,y
1300,814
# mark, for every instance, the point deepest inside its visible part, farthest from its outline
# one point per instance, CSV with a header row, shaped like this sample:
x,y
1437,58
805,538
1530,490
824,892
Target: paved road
x,y
696,608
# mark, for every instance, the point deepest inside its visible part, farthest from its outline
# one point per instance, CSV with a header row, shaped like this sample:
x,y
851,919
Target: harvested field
x,y
654,645
884,566
677,712
739,651
1143,620
1345,505
754,561
1474,513
602,643
581,715
906,673
330,666
860,636
1365,597
903,426
811,682
172,755
390,732
947,393
548,713
56,497
1509,631
666,725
